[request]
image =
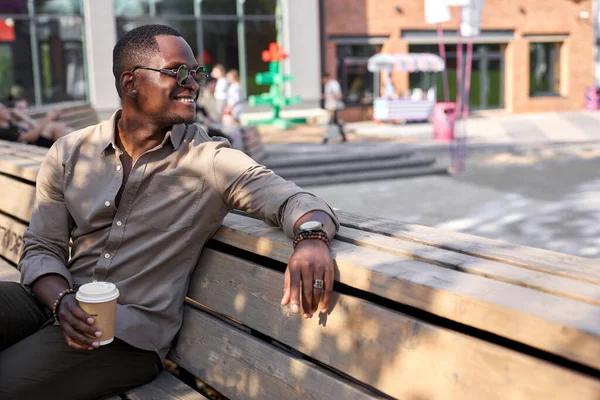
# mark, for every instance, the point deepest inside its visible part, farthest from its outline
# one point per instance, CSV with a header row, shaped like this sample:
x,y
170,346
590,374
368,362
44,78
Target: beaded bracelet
x,y
59,298
319,235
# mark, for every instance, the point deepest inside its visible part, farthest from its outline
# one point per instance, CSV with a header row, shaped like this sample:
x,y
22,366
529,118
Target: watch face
x,y
311,226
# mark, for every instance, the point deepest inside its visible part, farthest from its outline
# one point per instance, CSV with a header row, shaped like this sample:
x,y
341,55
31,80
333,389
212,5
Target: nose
x,y
190,83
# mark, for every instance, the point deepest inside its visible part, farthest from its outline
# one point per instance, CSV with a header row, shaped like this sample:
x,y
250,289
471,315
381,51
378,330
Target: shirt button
x,y
118,167
107,203
106,255
119,223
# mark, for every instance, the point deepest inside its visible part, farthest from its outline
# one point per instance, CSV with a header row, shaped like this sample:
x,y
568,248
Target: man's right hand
x,y
76,324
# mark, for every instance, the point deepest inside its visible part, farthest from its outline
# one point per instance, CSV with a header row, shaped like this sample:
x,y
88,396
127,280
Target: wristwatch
x,y
311,226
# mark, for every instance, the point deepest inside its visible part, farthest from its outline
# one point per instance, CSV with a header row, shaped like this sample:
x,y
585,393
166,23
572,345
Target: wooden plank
x,y
11,238
242,367
19,167
17,198
555,324
583,291
397,354
164,387
8,272
522,256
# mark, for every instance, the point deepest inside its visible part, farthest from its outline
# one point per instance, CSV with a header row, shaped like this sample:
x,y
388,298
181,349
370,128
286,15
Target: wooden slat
x,y
527,257
583,291
8,272
559,325
11,238
397,354
242,367
164,387
17,198
19,167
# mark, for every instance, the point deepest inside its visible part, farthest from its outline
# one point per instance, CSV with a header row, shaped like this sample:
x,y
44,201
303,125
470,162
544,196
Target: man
x,y
333,103
139,196
16,127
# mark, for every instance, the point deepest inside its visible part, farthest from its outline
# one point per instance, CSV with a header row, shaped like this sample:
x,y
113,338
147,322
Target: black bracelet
x,y
59,298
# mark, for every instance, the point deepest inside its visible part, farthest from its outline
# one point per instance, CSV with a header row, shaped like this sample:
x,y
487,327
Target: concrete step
x,y
293,159
350,177
319,170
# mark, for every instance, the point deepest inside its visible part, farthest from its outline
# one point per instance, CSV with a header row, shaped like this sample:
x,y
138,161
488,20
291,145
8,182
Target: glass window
x,y
221,43
13,7
544,69
175,7
132,8
60,51
258,37
16,69
58,7
6,70
353,75
219,7
260,7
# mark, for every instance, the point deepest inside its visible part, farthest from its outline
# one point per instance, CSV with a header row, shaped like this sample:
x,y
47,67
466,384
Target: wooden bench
x,y
418,313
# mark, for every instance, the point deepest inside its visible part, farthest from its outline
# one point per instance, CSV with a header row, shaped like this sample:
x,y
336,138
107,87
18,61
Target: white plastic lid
x,y
97,292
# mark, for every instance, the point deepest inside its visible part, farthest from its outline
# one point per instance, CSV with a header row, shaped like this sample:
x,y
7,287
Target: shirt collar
x,y
108,129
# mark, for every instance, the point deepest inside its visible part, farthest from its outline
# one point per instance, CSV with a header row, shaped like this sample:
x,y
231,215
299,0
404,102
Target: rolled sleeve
x,y
250,187
46,240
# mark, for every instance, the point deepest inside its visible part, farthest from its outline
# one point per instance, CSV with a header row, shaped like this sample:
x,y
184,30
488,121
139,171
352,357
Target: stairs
x,y
328,165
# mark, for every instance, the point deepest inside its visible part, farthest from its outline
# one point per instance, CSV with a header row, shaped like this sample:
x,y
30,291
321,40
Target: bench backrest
x,y
418,312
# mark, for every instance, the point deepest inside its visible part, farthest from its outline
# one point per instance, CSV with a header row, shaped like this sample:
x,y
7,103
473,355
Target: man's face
x,y
4,113
159,96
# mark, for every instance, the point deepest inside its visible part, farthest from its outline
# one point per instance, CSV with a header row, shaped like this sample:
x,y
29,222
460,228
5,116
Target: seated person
x,y
17,130
17,126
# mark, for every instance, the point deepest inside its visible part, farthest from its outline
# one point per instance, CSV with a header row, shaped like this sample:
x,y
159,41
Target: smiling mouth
x,y
189,100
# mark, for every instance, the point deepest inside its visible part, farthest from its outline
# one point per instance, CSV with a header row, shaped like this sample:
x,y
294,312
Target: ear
x,y
128,84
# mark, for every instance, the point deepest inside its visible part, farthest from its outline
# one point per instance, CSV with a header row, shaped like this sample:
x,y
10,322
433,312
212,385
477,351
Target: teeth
x,y
185,99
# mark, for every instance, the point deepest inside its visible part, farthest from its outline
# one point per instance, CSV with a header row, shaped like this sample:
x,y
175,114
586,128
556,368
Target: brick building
x,y
531,55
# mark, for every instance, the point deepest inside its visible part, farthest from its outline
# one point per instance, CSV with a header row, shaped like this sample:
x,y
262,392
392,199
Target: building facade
x,y
61,50
531,55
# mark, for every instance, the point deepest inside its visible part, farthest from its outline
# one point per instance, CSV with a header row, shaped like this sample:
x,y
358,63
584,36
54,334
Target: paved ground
x,y
541,201
494,127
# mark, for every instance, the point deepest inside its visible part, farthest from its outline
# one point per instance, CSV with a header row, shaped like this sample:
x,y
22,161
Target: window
x,y
13,7
259,7
63,7
354,77
544,69
258,36
219,7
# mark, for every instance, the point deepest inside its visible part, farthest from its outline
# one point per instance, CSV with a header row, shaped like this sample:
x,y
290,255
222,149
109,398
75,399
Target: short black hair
x,y
137,46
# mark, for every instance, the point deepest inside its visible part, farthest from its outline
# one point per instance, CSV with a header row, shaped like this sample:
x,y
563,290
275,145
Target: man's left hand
x,y
310,261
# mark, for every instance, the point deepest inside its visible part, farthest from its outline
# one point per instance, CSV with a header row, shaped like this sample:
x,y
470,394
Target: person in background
x,y
50,128
218,72
17,130
333,103
206,105
235,102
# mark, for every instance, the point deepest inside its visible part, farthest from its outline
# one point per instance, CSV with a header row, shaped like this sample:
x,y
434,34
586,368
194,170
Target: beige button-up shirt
x,y
176,197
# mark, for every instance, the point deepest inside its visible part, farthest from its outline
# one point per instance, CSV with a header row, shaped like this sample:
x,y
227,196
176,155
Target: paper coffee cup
x,y
99,299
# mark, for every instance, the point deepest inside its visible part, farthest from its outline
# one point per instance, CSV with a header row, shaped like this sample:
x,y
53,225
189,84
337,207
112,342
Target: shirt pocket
x,y
172,201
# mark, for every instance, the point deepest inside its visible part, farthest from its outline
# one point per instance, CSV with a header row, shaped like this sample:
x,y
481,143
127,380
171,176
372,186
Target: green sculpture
x,y
275,97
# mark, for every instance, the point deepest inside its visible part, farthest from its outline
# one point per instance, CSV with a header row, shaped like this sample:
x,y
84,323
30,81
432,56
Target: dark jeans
x,y
36,363
335,121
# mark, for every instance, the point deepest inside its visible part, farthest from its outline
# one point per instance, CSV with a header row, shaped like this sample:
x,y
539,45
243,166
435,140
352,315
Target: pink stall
x,y
417,104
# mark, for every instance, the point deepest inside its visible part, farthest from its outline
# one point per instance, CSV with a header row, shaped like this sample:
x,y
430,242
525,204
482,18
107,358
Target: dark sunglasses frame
x,y
180,74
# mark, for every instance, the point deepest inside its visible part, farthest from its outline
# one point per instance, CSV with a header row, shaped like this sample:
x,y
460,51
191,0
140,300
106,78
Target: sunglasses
x,y
181,74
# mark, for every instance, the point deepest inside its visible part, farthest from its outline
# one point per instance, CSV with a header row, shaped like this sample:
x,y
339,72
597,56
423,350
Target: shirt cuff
x,y
303,203
37,266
